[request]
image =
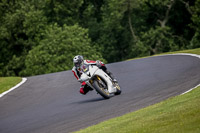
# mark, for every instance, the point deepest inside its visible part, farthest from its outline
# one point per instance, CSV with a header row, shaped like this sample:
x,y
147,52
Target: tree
x,y
195,42
21,24
63,11
118,31
170,20
56,51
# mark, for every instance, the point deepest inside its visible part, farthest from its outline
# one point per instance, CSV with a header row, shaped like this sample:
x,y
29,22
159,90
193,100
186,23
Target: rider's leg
x,y
85,88
109,73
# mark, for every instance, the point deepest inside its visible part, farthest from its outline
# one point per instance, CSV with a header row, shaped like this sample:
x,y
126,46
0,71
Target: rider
x,y
78,61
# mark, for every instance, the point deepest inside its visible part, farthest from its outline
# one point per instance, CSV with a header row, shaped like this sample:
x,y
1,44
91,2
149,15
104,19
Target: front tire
x,y
118,89
100,89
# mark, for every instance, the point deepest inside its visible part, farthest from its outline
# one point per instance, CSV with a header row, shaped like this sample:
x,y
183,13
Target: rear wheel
x,y
101,88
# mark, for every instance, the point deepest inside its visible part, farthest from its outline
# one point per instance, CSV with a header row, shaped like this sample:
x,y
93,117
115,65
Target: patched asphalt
x,y
52,102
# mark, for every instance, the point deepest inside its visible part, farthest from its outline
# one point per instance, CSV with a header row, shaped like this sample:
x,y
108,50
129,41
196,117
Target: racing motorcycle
x,y
98,80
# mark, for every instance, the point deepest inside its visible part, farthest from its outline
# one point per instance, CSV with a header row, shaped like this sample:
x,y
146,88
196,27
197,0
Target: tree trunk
x,y
166,17
187,6
163,24
129,20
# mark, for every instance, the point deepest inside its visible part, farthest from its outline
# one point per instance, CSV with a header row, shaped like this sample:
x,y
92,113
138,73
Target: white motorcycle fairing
x,y
88,72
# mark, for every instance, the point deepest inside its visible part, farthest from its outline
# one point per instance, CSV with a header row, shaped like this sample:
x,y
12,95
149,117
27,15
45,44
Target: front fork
x,y
101,82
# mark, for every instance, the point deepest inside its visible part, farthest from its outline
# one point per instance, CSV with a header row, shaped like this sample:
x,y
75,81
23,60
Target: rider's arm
x,y
98,63
76,73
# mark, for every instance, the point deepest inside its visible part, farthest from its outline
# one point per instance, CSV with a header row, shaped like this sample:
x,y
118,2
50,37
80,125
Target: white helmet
x,y
78,60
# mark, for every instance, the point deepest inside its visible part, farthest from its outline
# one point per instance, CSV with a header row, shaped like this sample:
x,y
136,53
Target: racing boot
x,y
111,76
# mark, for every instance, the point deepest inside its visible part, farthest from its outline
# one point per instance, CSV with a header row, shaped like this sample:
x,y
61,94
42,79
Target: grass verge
x,y
8,82
174,115
191,51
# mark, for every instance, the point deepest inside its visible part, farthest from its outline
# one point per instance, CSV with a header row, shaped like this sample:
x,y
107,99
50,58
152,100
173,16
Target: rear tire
x,y
102,91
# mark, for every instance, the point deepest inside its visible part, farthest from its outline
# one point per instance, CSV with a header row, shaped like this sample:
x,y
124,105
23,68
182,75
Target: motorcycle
x,y
98,80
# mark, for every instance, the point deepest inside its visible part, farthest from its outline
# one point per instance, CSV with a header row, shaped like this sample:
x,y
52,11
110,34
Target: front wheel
x,y
118,89
101,88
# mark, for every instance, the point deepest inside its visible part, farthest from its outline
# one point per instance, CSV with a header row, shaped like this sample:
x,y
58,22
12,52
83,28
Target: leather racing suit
x,y
77,73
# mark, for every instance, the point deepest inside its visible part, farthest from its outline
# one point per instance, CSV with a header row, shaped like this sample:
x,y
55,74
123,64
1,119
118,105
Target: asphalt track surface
x,y
52,103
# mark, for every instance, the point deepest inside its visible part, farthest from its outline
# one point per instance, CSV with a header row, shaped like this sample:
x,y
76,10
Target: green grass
x,y
8,82
191,51
180,114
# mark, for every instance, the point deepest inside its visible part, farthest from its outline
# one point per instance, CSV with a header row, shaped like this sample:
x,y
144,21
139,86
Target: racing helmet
x,y
78,60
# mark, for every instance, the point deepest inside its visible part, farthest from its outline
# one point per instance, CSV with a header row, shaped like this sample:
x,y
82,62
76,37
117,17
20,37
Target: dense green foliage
x,y
39,37
55,51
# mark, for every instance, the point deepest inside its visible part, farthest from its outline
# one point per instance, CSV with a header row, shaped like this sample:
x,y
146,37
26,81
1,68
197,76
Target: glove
x,y
98,63
80,80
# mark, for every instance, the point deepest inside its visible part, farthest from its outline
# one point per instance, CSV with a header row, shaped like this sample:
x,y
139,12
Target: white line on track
x,y
4,93
194,55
